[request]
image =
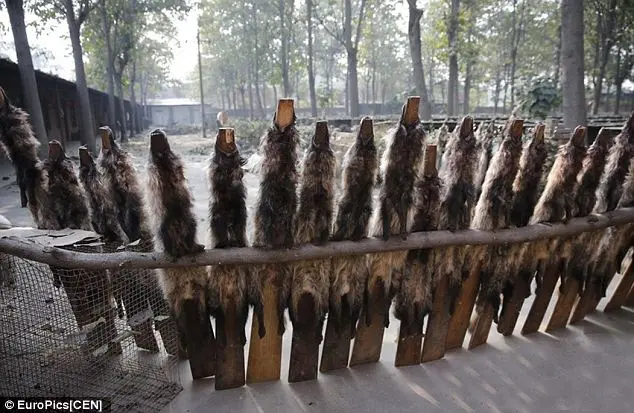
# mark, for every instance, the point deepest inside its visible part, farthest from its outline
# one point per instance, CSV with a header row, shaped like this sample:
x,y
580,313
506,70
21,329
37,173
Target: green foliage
x,y
541,98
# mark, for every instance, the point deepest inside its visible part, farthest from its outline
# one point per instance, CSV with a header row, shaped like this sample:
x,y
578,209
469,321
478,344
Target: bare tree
x,y
452,37
27,72
310,68
413,31
572,28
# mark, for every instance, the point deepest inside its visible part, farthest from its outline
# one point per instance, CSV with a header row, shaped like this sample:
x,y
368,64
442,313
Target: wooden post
x,y
265,354
565,303
620,296
230,367
199,339
369,338
408,349
437,323
511,308
459,322
542,297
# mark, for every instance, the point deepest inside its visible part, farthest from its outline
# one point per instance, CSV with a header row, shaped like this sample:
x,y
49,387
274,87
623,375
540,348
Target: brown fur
x,y
312,225
610,186
484,150
456,202
21,146
400,165
590,175
121,178
349,275
174,227
276,208
103,208
527,180
493,212
413,301
228,284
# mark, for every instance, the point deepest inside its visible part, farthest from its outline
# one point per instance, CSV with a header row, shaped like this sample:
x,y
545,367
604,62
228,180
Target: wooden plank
x,y
583,304
565,303
408,348
620,296
336,349
265,354
459,322
482,326
410,111
542,299
199,338
305,344
437,324
630,299
230,366
285,113
512,307
369,338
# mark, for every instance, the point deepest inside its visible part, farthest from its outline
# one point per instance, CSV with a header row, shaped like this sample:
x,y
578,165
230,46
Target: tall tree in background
x,y
413,33
452,38
15,9
606,30
286,26
350,42
106,26
75,12
574,101
311,54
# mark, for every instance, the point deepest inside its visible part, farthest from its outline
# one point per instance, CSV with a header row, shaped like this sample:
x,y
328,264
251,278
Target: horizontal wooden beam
x,y
24,248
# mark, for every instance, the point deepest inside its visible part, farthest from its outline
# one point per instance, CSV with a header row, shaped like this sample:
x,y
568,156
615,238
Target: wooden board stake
x,y
225,141
410,111
459,322
542,299
437,324
369,338
199,338
619,297
336,351
305,344
106,134
565,302
511,308
265,354
482,326
230,367
284,116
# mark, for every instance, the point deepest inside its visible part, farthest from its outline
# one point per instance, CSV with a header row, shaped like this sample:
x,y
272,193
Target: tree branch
x,y
337,36
23,248
359,24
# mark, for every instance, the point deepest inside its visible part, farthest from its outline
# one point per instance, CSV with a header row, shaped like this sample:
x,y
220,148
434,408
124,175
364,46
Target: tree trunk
x,y
284,48
250,85
112,118
133,111
606,46
452,31
86,126
123,125
496,92
413,32
274,96
557,68
467,87
310,68
431,81
27,73
574,102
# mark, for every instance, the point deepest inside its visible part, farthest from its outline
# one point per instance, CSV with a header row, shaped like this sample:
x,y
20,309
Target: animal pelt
x,y
611,184
400,164
413,300
484,150
493,212
173,224
349,274
229,290
67,196
590,175
121,179
526,184
311,279
21,146
276,207
456,200
103,209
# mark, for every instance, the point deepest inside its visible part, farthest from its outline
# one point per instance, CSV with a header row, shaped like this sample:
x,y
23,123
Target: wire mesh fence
x,y
91,333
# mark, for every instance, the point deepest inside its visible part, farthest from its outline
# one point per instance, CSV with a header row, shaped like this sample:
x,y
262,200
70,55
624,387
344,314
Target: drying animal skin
x,y
400,165
104,211
19,143
228,284
456,201
493,212
611,184
349,274
413,300
484,149
276,208
311,279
